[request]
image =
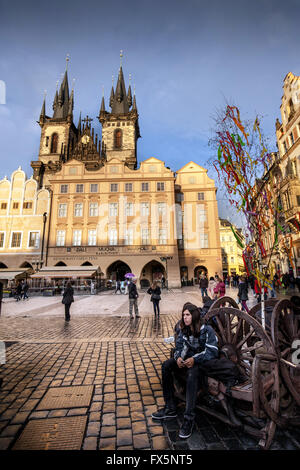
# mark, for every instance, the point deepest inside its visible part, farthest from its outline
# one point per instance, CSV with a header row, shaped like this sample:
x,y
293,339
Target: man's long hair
x,y
197,322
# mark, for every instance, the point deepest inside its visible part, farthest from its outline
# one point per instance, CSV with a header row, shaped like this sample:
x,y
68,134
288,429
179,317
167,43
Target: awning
x,y
7,275
66,274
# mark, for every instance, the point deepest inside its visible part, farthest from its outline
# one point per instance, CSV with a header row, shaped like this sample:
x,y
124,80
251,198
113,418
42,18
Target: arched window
x,y
118,138
54,142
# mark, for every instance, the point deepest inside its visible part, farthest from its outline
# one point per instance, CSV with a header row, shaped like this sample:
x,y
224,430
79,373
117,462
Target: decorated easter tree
x,y
242,164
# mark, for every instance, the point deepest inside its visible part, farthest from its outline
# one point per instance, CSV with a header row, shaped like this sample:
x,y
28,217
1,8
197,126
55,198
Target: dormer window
x,y
118,138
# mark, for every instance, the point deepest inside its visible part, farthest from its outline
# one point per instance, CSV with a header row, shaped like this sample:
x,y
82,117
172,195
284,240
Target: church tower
x,y
120,127
58,134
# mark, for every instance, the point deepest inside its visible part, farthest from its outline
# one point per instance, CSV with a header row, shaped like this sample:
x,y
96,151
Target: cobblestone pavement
x,y
93,383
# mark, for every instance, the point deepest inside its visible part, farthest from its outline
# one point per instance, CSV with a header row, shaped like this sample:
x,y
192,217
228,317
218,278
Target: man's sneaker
x,y
164,413
186,429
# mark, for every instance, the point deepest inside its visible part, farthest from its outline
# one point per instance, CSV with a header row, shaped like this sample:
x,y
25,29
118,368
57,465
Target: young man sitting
x,y
196,343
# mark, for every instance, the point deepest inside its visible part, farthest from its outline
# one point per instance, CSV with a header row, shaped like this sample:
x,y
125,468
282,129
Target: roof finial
x,y
57,83
129,79
73,83
121,56
102,91
45,94
67,60
112,80
134,89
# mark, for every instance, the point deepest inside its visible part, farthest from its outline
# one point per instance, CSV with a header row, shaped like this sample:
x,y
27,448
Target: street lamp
x,y
165,258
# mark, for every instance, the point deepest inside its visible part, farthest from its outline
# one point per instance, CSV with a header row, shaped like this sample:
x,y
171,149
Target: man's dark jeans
x,y
192,380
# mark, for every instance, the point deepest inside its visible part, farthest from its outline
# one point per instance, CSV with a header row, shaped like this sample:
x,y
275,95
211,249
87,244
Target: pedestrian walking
x,y
220,289
196,344
92,288
118,287
163,282
203,285
155,293
19,291
25,288
243,293
211,285
68,298
133,296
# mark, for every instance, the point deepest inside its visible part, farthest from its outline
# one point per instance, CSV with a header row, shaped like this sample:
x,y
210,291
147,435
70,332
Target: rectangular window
x,y
62,210
298,200
292,138
145,208
201,213
114,188
34,239
64,188
27,205
16,240
129,209
78,210
128,187
79,188
160,186
232,260
113,236
145,236
94,187
129,236
92,236
162,236
93,209
162,208
145,187
200,196
76,237
113,209
60,238
15,205
203,240
3,205
2,235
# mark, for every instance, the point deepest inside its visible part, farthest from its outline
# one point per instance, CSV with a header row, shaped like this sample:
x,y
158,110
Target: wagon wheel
x,y
221,302
285,329
238,329
256,312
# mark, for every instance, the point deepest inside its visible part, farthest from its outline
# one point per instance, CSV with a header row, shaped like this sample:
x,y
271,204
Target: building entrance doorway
x,y
198,271
117,271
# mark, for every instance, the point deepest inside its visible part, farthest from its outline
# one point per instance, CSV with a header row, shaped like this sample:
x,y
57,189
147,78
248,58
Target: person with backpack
x,y
155,293
133,296
195,344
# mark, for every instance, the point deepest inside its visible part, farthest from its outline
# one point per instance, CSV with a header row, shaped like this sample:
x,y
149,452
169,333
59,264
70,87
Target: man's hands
x,y
187,363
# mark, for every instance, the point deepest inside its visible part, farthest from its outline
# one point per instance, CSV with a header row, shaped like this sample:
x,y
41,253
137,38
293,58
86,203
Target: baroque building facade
x,y
232,252
108,211
281,178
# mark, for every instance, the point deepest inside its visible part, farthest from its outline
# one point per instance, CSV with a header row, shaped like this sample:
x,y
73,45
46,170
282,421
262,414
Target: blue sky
x,y
185,58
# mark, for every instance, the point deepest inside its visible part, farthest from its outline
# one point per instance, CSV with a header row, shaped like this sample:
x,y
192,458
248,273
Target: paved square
x,y
52,434
66,397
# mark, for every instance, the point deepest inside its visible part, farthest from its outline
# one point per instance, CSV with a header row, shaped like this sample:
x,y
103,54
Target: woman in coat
x,y
155,293
243,293
211,285
68,299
